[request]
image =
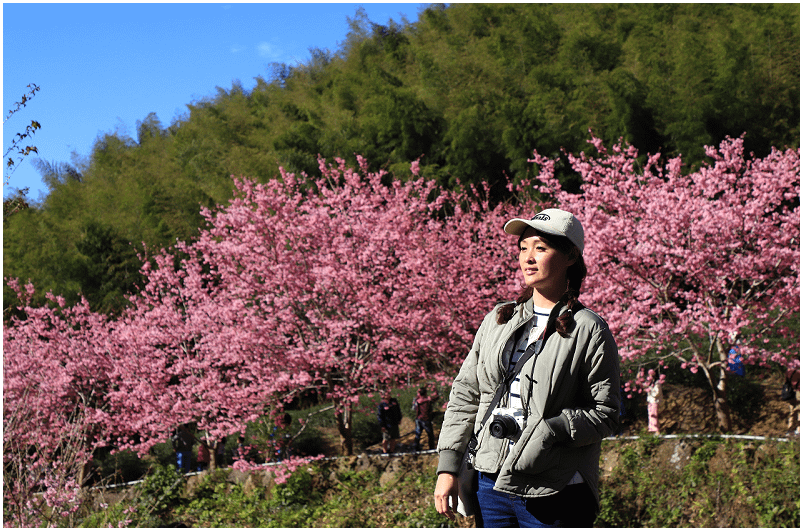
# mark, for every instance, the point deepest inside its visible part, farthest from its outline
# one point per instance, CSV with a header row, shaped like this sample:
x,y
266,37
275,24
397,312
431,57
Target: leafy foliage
x,y
150,503
216,503
472,89
725,484
161,489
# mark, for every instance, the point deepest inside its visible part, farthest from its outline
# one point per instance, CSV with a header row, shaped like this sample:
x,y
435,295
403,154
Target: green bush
x,y
309,442
152,503
296,491
727,483
776,500
217,503
163,453
366,432
161,489
117,515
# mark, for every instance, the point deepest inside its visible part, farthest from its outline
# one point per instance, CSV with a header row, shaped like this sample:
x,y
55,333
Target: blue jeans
x,y
426,425
184,461
574,506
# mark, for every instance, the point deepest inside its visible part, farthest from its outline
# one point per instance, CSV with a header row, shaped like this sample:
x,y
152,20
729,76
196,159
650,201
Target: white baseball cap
x,y
550,221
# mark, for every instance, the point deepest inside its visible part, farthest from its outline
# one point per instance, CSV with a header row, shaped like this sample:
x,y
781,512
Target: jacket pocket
x,y
538,452
490,453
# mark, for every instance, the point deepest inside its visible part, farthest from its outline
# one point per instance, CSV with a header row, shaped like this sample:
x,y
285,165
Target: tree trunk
x,y
212,456
344,422
84,470
721,405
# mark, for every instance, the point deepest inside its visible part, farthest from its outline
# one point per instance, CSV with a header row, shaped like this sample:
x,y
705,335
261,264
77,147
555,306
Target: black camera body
x,y
507,423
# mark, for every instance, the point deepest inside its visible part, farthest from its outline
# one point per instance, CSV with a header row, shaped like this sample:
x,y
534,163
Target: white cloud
x,y
236,48
267,50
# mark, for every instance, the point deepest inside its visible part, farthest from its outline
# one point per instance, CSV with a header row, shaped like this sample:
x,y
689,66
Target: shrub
x,y
727,483
161,490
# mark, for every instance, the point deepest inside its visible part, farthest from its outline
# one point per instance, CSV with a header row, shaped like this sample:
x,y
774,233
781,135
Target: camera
x,y
507,423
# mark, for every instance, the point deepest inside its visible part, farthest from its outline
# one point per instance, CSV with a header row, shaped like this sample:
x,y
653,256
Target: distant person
x,y
791,394
182,442
654,396
280,438
735,364
241,449
423,408
203,457
389,416
220,452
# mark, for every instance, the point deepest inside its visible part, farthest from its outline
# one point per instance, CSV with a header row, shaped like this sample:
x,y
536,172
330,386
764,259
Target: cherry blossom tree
x,y
353,282
183,356
685,264
55,380
41,485
342,285
56,364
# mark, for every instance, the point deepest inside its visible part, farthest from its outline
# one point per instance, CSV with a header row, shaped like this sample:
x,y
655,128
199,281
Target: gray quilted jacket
x,y
572,406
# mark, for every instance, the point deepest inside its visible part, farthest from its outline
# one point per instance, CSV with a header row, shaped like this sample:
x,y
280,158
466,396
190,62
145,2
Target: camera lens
x,y
503,426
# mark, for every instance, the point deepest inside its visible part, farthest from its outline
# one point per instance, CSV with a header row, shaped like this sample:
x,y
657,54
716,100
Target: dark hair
x,y
576,273
423,391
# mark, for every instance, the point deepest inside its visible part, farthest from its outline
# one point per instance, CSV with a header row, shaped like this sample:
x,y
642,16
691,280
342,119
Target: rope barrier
x,y
701,436
429,452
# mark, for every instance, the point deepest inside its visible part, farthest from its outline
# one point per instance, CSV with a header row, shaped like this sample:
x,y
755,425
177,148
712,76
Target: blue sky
x,y
103,67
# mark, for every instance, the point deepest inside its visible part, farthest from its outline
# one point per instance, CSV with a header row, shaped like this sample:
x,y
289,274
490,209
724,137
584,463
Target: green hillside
x,y
471,89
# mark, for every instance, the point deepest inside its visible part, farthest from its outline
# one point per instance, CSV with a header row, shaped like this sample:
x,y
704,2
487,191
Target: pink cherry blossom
x,y
355,287
687,264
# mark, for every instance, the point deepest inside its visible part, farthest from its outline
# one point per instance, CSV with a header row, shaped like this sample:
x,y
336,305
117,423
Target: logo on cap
x,y
541,217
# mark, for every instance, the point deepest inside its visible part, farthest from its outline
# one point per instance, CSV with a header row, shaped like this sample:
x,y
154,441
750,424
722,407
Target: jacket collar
x,y
525,311
522,314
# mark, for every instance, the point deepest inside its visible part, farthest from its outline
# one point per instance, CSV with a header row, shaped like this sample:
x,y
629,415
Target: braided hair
x,y
576,273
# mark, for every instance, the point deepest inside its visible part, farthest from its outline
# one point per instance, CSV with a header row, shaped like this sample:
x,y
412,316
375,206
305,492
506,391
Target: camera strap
x,y
532,350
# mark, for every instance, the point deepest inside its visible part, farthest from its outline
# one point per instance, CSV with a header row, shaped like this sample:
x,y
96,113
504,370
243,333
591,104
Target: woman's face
x,y
544,267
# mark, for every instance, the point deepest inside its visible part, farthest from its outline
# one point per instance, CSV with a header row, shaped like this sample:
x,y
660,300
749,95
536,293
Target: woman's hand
x,y
446,494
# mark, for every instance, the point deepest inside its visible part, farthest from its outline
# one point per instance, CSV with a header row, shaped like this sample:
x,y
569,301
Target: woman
x,y
653,400
565,399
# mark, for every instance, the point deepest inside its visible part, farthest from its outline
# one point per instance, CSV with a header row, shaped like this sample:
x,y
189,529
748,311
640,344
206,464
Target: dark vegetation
x,y
472,89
